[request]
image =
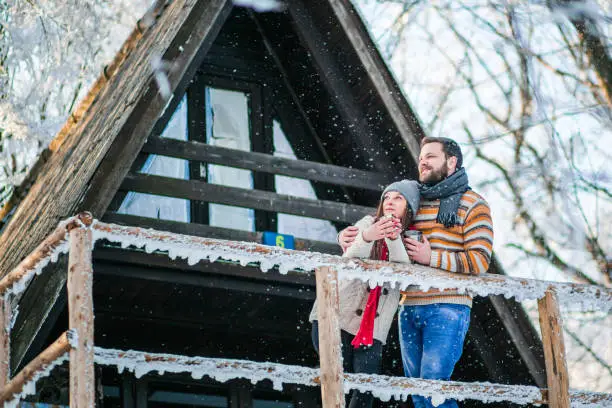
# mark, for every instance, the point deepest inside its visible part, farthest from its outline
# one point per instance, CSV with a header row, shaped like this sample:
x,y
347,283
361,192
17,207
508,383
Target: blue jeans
x,y
431,341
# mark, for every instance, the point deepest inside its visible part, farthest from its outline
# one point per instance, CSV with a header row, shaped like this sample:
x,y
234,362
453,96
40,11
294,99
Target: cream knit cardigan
x,y
354,294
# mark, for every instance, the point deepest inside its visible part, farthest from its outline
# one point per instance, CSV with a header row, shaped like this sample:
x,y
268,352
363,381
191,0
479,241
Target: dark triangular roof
x,y
113,123
322,39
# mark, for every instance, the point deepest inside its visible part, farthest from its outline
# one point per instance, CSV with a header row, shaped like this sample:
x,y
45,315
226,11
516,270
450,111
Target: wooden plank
x,y
36,366
5,337
204,280
196,130
240,197
262,141
326,173
108,255
201,230
128,384
81,318
40,307
554,350
330,354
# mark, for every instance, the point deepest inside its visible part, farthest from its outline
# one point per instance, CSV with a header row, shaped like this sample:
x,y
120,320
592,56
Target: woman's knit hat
x,y
409,189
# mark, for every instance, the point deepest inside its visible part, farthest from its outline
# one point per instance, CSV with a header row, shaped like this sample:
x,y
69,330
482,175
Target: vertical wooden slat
x,y
554,351
329,338
80,311
5,336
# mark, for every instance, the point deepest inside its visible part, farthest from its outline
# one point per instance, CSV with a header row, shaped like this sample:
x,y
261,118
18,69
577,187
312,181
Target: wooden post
x,y
81,319
5,339
332,375
554,351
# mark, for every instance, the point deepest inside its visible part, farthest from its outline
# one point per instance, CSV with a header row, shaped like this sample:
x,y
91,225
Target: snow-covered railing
x,y
73,235
24,382
81,232
381,386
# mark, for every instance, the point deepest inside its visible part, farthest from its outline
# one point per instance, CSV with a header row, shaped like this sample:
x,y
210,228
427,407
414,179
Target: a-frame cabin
x,y
286,122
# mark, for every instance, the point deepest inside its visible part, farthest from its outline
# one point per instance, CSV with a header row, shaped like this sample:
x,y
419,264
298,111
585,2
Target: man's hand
x,y
385,227
347,237
419,252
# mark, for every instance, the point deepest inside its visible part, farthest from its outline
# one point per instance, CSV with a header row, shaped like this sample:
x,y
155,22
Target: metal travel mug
x,y
414,234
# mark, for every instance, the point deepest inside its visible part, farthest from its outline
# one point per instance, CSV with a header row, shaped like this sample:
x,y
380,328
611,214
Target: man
x,y
457,237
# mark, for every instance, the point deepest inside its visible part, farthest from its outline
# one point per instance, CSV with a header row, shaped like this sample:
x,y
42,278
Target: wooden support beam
x,y
42,251
40,363
5,337
242,197
332,375
81,318
554,351
326,173
123,259
201,230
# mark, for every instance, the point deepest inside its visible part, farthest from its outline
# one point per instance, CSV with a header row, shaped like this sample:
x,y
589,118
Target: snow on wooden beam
x,y
24,382
382,387
196,249
48,251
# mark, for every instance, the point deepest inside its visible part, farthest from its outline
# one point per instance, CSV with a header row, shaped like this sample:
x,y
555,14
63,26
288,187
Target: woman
x,y
366,315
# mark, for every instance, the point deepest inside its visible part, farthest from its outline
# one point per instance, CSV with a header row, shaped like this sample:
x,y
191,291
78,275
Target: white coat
x,y
353,294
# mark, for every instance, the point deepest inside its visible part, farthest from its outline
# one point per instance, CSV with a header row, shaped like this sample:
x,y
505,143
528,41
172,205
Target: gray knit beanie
x,y
409,189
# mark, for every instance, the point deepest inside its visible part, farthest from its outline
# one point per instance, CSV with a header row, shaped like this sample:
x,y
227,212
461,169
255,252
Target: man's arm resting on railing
x,y
478,244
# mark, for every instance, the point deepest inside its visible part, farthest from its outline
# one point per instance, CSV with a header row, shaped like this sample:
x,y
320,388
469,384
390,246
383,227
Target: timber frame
x,y
324,73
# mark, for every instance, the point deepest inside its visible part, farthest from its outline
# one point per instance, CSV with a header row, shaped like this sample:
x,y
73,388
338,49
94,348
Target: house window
x,y
167,399
153,206
303,227
227,125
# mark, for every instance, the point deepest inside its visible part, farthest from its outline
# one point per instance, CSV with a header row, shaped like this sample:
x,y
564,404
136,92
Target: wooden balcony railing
x,y
78,234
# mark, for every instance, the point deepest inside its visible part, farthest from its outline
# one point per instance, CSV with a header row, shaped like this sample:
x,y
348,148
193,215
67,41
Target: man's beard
x,y
435,175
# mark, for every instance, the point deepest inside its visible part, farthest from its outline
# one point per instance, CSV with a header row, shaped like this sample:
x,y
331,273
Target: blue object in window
x,y
279,240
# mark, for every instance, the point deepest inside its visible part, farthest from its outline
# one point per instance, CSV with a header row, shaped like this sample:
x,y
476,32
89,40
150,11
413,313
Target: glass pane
x,y
303,227
260,403
185,399
167,208
227,125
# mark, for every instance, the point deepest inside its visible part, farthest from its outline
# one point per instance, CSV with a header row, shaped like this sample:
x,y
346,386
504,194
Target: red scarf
x,y
365,334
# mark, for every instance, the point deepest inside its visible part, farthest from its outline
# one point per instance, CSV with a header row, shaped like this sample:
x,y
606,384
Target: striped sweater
x,y
463,248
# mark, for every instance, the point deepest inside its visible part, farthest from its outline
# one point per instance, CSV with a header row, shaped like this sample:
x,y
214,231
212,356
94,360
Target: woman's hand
x,y
347,236
385,227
